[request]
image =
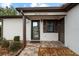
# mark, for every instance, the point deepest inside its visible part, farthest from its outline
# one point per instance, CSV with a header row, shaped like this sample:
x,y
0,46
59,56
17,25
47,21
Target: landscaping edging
x,y
19,52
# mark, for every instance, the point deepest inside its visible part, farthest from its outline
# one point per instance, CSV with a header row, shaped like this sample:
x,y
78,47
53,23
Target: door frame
x,y
32,28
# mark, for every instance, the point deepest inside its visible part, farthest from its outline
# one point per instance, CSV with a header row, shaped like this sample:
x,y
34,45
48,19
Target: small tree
x,y
7,11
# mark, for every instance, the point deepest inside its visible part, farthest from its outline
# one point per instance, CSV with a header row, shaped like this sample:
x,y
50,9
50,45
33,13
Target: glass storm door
x,y
35,30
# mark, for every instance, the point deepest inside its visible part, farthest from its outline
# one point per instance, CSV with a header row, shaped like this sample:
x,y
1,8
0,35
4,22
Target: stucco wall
x,y
72,29
12,27
28,30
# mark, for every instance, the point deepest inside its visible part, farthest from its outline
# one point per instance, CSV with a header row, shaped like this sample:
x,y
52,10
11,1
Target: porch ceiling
x,y
45,17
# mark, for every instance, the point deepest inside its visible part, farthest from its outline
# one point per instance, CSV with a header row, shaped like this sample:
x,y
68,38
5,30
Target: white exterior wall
x,y
12,27
72,29
28,30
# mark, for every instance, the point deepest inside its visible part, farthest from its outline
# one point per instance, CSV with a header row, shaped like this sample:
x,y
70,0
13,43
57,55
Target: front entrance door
x,y
35,34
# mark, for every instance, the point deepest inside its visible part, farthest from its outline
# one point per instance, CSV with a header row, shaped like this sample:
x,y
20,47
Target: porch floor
x,y
45,48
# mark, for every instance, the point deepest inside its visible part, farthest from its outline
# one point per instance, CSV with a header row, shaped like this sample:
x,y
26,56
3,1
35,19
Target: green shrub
x,y
4,43
1,40
14,46
17,38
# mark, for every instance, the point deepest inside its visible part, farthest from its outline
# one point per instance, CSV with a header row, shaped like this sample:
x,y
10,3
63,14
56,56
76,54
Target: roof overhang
x,y
63,8
16,16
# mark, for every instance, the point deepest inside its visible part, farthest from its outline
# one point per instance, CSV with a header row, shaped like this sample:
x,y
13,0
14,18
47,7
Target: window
x,y
49,26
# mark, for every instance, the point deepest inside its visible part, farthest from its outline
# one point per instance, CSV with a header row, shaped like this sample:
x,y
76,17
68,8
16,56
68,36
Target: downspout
x,y
24,28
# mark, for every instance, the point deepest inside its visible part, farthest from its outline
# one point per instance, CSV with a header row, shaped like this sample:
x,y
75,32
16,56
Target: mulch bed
x,y
45,51
6,52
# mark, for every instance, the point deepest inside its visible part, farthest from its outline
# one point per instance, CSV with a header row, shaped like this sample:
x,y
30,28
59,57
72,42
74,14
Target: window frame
x,y
54,26
49,24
